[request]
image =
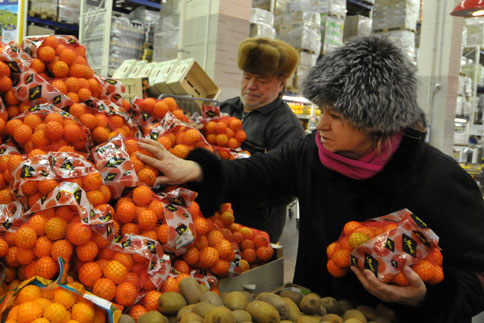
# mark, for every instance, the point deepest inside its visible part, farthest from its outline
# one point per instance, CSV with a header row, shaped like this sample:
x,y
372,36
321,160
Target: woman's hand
x,y
408,295
174,170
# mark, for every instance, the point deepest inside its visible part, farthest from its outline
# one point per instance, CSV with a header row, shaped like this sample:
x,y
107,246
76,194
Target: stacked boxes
x,y
165,41
355,26
261,23
398,20
43,8
332,32
69,11
301,29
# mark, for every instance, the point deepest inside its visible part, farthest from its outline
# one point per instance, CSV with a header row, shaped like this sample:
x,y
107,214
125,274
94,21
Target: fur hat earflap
x,y
370,82
267,57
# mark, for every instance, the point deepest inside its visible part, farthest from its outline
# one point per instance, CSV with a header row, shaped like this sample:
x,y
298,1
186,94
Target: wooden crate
x,y
158,75
135,87
188,77
124,70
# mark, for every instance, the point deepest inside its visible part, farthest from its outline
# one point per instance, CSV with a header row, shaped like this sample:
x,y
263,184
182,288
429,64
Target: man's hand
x,y
174,170
408,295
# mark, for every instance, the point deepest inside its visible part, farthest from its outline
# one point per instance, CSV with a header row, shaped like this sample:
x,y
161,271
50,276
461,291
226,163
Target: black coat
x,y
418,177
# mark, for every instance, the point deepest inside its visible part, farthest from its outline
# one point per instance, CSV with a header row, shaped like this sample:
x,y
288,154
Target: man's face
x,y
258,90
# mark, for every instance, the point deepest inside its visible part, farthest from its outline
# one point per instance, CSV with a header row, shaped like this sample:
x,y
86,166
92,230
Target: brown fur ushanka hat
x,y
267,57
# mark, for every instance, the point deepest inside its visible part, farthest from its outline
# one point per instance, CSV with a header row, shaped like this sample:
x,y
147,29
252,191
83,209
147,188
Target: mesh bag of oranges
x,y
386,244
142,263
148,111
42,300
48,128
7,149
176,136
61,60
113,161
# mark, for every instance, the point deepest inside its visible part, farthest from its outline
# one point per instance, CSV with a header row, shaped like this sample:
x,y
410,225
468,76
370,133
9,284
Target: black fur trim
x,y
370,82
212,187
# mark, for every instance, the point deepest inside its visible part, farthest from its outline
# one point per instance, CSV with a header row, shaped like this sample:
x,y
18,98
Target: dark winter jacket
x,y
267,128
418,177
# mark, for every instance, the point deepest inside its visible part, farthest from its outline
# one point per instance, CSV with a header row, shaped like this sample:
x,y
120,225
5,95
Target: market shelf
x,y
361,4
52,23
147,3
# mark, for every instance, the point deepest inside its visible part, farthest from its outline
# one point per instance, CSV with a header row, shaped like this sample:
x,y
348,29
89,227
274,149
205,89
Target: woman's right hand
x,y
174,170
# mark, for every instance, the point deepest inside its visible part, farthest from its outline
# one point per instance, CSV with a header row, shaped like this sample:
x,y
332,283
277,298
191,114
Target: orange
x,y
221,140
125,259
400,279
224,249
125,294
4,69
208,257
55,228
100,135
64,212
170,285
233,143
220,127
11,125
147,220
240,135
166,142
28,188
5,83
101,120
438,275
130,228
11,98
72,84
247,244
250,255
87,252
191,136
3,247
83,312
73,96
235,124
36,152
25,256
37,222
137,311
181,266
84,94
47,185
46,267
83,83
142,195
26,237
160,109
334,269
214,237
221,268
178,113
105,288
28,294
88,120
171,103
64,297
22,134
148,176
181,151
77,110
54,130
68,56
125,212
350,226
150,301
51,41
115,271
6,196
92,181
13,162
37,65
425,269
60,69
77,70
79,234
157,207
147,105
266,253
162,233
201,226
93,85
115,121
46,53
43,247
56,313
29,311
39,139
60,85
62,248
332,247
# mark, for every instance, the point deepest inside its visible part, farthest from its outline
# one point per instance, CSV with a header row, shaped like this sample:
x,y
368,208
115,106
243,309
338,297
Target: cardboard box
x,y
33,30
124,69
134,87
158,75
188,77
263,278
145,70
136,68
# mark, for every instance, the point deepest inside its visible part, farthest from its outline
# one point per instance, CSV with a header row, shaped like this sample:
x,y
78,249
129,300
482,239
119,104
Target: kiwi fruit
x,y
295,296
126,319
293,310
354,314
308,319
332,318
276,301
250,297
219,314
151,317
212,298
331,304
170,303
369,312
311,304
242,316
352,320
183,310
235,301
202,308
191,290
345,305
262,312
188,317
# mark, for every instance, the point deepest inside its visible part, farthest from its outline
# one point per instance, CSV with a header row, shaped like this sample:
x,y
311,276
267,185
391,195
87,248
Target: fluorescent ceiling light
x,y
295,99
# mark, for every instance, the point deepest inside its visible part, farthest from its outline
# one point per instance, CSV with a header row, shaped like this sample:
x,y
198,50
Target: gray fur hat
x,y
370,82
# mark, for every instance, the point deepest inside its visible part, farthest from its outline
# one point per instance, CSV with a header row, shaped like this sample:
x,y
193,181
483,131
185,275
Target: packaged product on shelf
x,y
331,32
305,38
385,245
355,26
307,59
406,39
262,30
334,7
399,14
69,11
165,42
261,23
287,22
261,16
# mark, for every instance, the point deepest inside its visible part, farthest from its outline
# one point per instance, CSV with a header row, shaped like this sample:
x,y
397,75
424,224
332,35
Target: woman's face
x,y
339,136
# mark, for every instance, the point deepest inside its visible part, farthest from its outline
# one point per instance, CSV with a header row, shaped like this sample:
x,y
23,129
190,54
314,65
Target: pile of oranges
x,y
225,132
34,304
385,256
151,110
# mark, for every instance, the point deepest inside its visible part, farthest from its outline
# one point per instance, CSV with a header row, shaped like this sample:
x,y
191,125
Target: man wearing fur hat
x,y
267,120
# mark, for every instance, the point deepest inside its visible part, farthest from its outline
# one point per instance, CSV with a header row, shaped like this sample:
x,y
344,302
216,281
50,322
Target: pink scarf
x,y
363,168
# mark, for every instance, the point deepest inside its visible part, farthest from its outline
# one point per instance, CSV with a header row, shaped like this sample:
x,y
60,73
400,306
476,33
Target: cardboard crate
x,y
188,77
136,68
158,75
33,30
124,69
263,278
145,70
134,88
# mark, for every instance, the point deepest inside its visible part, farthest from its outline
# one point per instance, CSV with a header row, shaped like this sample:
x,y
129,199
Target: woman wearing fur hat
x,y
366,159
266,119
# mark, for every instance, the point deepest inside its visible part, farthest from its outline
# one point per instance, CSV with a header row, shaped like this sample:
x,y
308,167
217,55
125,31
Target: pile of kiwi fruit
x,y
194,303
